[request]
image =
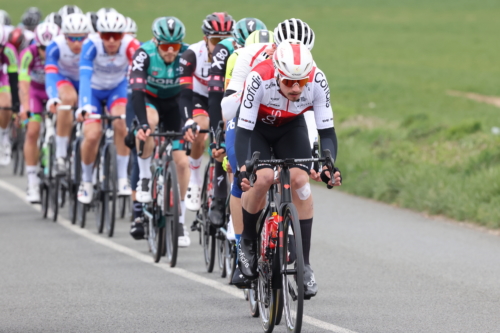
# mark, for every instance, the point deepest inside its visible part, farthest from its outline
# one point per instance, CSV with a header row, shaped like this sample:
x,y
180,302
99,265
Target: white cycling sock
x,y
122,166
31,172
183,212
87,172
61,146
144,167
195,167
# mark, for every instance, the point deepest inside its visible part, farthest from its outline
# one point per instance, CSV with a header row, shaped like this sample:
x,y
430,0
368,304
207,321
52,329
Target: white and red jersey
x,y
195,67
248,57
263,101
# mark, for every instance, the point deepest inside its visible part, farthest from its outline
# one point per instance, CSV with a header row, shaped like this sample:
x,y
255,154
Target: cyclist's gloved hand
x,y
51,104
188,132
143,132
337,178
83,112
241,175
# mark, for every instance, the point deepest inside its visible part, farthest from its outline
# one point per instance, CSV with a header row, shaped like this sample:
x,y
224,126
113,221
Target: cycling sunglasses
x,y
76,38
114,35
169,47
290,83
214,40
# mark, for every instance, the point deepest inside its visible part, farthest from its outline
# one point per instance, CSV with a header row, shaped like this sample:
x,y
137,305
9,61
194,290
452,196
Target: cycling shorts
x,y
38,99
169,115
231,154
290,140
200,105
4,82
113,97
62,80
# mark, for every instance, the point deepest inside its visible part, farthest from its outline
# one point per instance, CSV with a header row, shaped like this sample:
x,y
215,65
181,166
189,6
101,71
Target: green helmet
x,y
168,29
245,27
260,36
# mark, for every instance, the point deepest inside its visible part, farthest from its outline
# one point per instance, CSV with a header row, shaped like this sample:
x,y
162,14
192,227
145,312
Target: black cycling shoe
x,y
216,212
247,258
239,281
310,285
137,229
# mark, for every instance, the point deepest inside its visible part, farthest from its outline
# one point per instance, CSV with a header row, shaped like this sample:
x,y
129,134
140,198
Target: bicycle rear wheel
x,y
292,269
110,189
171,206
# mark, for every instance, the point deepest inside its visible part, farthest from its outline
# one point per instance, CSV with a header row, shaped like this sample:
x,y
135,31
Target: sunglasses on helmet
x,y
290,83
109,35
76,38
165,47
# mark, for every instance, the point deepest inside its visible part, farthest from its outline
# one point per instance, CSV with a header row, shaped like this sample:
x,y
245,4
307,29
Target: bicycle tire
x,y
292,284
253,301
75,171
20,149
53,180
44,198
156,232
111,189
122,205
99,194
208,235
171,205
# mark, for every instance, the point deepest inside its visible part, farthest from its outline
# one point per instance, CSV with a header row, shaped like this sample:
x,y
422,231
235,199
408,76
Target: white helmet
x,y
4,35
111,22
75,24
5,18
131,26
45,32
295,30
69,9
105,10
92,17
293,61
54,18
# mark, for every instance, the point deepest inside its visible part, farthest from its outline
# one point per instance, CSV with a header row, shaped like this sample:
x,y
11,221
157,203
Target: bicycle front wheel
x,y
292,269
156,220
208,231
171,209
110,189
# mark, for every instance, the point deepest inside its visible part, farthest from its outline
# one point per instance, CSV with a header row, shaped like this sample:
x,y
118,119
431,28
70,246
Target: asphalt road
x,y
379,269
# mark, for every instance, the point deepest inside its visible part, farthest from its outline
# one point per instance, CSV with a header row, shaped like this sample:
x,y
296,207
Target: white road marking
x,y
147,259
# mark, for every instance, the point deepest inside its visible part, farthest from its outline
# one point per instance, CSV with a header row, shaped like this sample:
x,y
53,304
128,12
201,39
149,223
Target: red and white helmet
x,y
293,61
4,35
111,22
218,24
75,23
45,32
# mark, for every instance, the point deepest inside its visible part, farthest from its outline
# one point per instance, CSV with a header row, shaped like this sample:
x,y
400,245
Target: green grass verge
x,y
389,62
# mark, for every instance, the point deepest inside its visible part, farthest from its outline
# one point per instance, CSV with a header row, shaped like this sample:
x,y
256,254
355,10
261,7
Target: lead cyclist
x,y
277,93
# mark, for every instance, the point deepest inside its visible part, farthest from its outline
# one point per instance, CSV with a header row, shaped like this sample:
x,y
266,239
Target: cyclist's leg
x,y
89,148
253,202
298,138
68,96
5,117
217,208
200,116
31,143
117,100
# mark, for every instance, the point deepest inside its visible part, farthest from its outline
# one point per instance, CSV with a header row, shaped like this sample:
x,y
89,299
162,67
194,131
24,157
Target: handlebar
x,y
194,128
67,108
219,137
327,161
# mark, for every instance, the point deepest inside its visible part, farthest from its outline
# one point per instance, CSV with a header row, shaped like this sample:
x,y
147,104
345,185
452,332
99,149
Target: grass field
x,y
402,139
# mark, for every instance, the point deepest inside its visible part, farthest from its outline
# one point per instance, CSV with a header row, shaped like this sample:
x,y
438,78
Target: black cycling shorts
x,y
200,104
290,140
168,112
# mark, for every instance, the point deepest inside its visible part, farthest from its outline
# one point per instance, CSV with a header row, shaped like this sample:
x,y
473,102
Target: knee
x,y
265,178
301,186
182,163
120,127
32,135
92,136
